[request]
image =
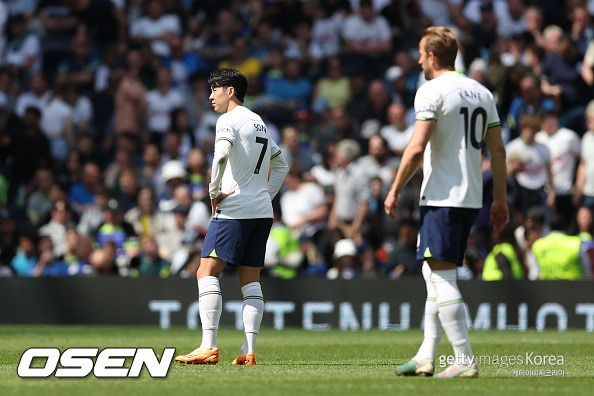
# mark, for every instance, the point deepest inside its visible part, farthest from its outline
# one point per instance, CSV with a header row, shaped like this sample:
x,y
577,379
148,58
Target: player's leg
x,y
253,299
423,363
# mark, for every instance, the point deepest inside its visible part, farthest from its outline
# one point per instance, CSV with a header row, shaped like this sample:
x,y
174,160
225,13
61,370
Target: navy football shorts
x,y
237,241
443,233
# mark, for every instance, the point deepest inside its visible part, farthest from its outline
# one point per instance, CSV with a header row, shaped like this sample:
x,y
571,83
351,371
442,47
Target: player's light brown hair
x,y
442,42
531,122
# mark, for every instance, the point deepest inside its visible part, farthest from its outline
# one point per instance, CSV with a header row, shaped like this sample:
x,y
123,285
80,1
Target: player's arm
x,y
411,159
278,170
222,149
499,209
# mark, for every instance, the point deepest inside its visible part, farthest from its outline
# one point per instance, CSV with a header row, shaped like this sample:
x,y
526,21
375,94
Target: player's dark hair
x,y
229,78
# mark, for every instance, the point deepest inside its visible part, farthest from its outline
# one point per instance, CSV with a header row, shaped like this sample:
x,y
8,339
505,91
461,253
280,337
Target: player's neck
x,y
233,103
439,72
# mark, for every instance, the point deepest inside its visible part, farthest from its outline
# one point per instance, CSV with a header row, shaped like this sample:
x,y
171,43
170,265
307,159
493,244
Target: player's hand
x,y
499,214
391,203
214,203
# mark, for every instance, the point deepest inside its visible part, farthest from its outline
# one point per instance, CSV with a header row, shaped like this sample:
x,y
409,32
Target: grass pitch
x,y
297,362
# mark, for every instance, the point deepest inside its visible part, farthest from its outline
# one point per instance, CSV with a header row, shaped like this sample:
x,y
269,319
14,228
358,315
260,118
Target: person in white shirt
x,y
535,159
455,117
156,27
397,133
247,172
37,96
56,123
24,50
161,102
584,184
564,148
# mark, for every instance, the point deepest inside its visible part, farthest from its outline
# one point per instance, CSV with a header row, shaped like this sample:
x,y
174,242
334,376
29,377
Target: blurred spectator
x,y
558,254
324,174
582,32
402,259
39,203
535,161
146,218
55,229
156,28
199,214
183,64
379,162
584,185
303,206
129,101
334,87
351,192
325,34
290,92
218,44
80,67
129,186
60,24
25,260
173,174
92,216
397,133
149,262
294,151
344,260
56,123
564,147
503,261
9,238
105,23
23,53
82,194
370,39
239,59
530,102
38,95
103,259
161,101
377,103
114,229
585,224
198,172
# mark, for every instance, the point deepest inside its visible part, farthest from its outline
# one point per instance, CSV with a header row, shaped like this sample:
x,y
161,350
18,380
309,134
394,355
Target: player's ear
x,y
231,92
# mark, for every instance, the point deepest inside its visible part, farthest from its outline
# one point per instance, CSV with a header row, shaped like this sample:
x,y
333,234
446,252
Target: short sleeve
x,y
494,120
426,104
224,131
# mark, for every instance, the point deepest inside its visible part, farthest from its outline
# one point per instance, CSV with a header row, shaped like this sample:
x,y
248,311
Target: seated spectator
x,y
161,101
530,102
379,163
334,87
92,216
37,96
130,98
23,52
80,67
146,218
585,224
129,186
114,229
69,264
291,92
239,59
149,262
103,260
197,171
503,261
156,28
25,260
345,264
324,174
56,123
294,151
39,202
82,194
402,259
183,64
173,174
397,133
370,40
558,254
55,229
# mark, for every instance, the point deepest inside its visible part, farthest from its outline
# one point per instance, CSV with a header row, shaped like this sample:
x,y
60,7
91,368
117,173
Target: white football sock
x,y
452,314
210,304
433,330
253,310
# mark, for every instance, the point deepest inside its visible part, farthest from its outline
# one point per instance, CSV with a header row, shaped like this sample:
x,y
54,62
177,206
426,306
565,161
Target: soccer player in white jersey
x,y
241,192
455,115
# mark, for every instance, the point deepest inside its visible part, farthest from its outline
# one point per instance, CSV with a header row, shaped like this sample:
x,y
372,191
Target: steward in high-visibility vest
x,y
558,256
502,262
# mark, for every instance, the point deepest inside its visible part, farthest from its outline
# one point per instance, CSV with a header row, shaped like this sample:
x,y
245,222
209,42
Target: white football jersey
x,y
463,110
248,165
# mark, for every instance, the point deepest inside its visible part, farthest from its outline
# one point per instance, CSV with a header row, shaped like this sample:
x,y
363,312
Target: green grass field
x,y
296,362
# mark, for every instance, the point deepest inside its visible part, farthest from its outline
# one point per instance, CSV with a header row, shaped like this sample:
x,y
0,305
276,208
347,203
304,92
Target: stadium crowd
x,y
106,131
